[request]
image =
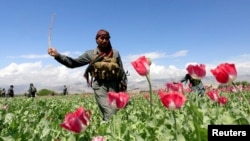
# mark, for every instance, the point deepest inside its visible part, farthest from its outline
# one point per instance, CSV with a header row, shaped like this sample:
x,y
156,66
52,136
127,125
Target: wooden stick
x,y
50,30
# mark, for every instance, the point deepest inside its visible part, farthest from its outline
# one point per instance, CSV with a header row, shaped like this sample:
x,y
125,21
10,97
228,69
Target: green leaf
x,y
9,117
180,137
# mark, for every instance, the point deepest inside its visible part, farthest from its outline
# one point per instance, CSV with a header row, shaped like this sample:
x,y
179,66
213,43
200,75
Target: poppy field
x,y
39,118
173,113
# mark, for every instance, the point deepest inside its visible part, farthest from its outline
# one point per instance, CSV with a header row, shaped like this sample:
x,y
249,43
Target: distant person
x,y
52,93
65,90
3,92
105,69
0,92
32,90
10,91
195,84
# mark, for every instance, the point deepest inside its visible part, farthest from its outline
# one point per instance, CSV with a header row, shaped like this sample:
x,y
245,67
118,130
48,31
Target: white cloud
x,y
158,55
43,56
25,73
58,75
30,56
151,55
179,53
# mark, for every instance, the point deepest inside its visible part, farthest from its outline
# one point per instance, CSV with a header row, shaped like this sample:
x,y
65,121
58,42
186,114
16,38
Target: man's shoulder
x,y
115,52
90,51
88,54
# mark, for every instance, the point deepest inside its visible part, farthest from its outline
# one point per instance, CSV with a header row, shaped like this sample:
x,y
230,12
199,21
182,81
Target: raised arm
x,y
69,61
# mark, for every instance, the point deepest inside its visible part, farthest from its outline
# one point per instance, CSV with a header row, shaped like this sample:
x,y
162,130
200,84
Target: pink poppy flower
x,y
98,138
177,87
142,65
161,93
5,107
213,95
222,100
233,89
196,71
188,90
146,96
225,73
118,100
76,121
173,100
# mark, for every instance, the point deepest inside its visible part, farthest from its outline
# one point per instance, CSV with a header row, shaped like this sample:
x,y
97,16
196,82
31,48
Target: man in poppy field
x,y
105,70
196,84
194,76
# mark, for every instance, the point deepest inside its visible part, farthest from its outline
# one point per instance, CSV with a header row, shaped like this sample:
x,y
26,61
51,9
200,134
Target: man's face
x,y
102,41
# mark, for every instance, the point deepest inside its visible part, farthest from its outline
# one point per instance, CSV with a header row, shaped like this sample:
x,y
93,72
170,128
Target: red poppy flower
x,y
76,121
118,100
142,65
222,100
213,95
225,73
196,71
173,100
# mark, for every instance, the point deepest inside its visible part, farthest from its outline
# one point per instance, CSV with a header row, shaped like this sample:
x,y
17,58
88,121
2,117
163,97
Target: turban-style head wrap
x,y
103,33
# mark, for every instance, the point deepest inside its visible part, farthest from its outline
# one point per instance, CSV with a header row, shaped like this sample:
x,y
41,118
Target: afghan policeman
x,y
196,84
105,71
32,90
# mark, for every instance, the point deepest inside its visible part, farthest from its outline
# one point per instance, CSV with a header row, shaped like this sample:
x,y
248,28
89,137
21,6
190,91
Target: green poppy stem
x,y
175,124
195,114
150,94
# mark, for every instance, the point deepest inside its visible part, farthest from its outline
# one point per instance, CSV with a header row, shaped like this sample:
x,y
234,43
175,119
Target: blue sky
x,y
172,33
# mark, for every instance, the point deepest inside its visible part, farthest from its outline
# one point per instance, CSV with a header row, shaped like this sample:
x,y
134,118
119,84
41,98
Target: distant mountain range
x,y
81,87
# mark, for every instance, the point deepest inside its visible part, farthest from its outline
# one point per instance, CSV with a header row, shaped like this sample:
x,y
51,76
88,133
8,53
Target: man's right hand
x,y
52,52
